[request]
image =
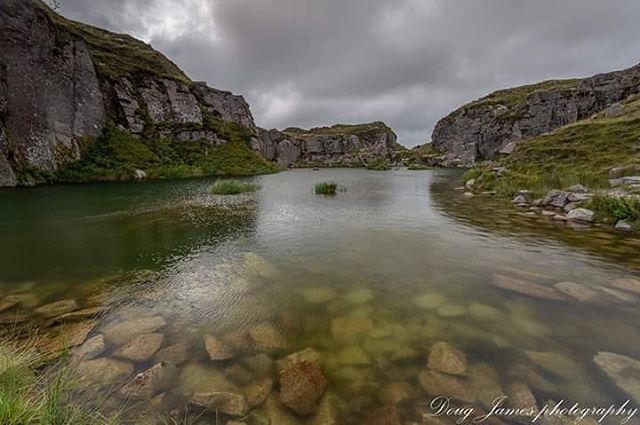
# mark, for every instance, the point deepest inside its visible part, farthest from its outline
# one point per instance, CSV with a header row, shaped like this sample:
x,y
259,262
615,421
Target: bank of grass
x,y
579,153
326,188
232,187
610,209
117,154
31,394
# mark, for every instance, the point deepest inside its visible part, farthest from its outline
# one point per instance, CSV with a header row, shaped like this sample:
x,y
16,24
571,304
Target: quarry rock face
x,y
481,129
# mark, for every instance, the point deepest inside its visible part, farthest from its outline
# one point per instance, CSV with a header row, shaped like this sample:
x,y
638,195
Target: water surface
x,y
370,278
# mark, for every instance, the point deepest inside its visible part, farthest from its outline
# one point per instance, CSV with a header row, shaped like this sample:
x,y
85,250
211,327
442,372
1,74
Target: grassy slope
x,y
339,130
514,96
579,153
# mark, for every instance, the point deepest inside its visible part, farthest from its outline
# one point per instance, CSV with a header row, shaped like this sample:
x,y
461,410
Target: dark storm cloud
x,y
407,62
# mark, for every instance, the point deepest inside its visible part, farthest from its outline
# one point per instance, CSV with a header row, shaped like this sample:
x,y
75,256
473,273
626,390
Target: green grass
x,y
579,153
339,130
31,394
612,209
512,97
326,188
378,164
232,187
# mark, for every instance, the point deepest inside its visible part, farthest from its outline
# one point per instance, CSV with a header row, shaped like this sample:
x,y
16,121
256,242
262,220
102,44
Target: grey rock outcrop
x,y
482,129
339,145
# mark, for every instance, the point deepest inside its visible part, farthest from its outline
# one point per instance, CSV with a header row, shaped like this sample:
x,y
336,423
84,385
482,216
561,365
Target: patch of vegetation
x,y
31,394
117,154
579,153
512,97
232,187
418,167
378,164
326,188
612,209
116,55
339,130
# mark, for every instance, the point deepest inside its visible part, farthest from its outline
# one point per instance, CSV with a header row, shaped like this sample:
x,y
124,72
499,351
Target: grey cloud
x,y
407,62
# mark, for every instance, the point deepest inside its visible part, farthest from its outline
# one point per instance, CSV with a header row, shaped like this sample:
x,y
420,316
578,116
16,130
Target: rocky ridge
x,y
493,125
67,89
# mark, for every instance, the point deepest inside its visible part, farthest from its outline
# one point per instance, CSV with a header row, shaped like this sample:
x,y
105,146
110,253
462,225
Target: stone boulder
x,y
141,348
301,387
104,370
581,215
446,358
123,332
227,403
216,349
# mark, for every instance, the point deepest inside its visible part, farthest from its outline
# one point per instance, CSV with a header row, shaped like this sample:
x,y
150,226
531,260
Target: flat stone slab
x,y
57,308
104,370
525,288
141,348
626,284
623,371
123,332
217,349
446,358
577,291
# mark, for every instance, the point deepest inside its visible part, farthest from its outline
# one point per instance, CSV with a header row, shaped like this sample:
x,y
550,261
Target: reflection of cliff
x,y
116,242
490,214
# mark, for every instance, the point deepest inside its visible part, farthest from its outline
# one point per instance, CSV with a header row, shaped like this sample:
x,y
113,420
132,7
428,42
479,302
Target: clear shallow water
x,y
371,279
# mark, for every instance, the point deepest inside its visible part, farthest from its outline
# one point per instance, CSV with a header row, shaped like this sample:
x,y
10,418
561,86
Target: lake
x,y
372,279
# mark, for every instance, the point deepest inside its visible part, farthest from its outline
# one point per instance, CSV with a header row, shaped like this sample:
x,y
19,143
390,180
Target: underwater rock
x,y
64,337
451,310
91,348
228,403
57,308
239,374
175,354
350,329
260,364
104,370
437,384
74,316
623,371
216,349
556,364
485,384
256,265
267,339
353,355
141,348
448,359
123,332
148,383
301,386
395,393
619,296
279,414
197,378
520,396
430,300
626,284
525,373
359,296
328,411
258,392
525,288
307,355
387,415
575,290
319,295
484,312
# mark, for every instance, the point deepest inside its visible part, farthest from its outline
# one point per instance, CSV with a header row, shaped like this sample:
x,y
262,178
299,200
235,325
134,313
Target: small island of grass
x,y
232,187
326,188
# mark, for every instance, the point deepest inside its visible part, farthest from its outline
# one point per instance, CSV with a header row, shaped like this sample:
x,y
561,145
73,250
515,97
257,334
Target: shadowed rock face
x,y
56,90
481,129
350,145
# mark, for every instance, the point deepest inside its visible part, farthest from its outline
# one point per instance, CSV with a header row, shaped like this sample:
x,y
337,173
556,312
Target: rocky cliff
x,y
494,124
339,145
63,83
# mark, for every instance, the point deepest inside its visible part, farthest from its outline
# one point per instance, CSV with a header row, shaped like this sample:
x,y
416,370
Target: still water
x,y
371,279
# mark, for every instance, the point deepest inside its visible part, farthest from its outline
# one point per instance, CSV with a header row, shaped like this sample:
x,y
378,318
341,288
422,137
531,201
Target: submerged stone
x,y
148,383
451,310
197,378
353,355
348,329
430,300
217,349
91,349
626,284
307,355
485,383
556,363
387,415
484,312
228,403
623,371
439,384
575,290
619,296
123,332
525,288
176,354
64,337
266,338
57,308
395,393
74,316
520,396
256,265
319,295
104,370
258,392
446,358
359,296
278,414
141,348
301,387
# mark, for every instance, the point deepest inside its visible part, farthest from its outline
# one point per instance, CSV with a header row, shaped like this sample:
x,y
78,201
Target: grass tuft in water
x,y
33,394
614,209
232,187
326,188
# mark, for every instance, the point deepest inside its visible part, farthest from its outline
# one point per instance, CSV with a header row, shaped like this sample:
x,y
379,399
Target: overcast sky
x,y
406,62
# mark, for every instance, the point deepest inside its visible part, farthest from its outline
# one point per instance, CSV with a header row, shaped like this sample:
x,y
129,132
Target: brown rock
x,y
388,415
628,284
395,393
57,308
75,316
448,359
227,403
9,302
258,392
91,349
104,370
123,332
525,288
64,337
485,384
301,386
437,384
623,371
267,339
308,354
520,396
175,354
575,290
141,348
217,349
146,384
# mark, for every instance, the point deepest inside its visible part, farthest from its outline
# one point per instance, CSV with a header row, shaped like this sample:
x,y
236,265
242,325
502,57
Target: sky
x,y
408,63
